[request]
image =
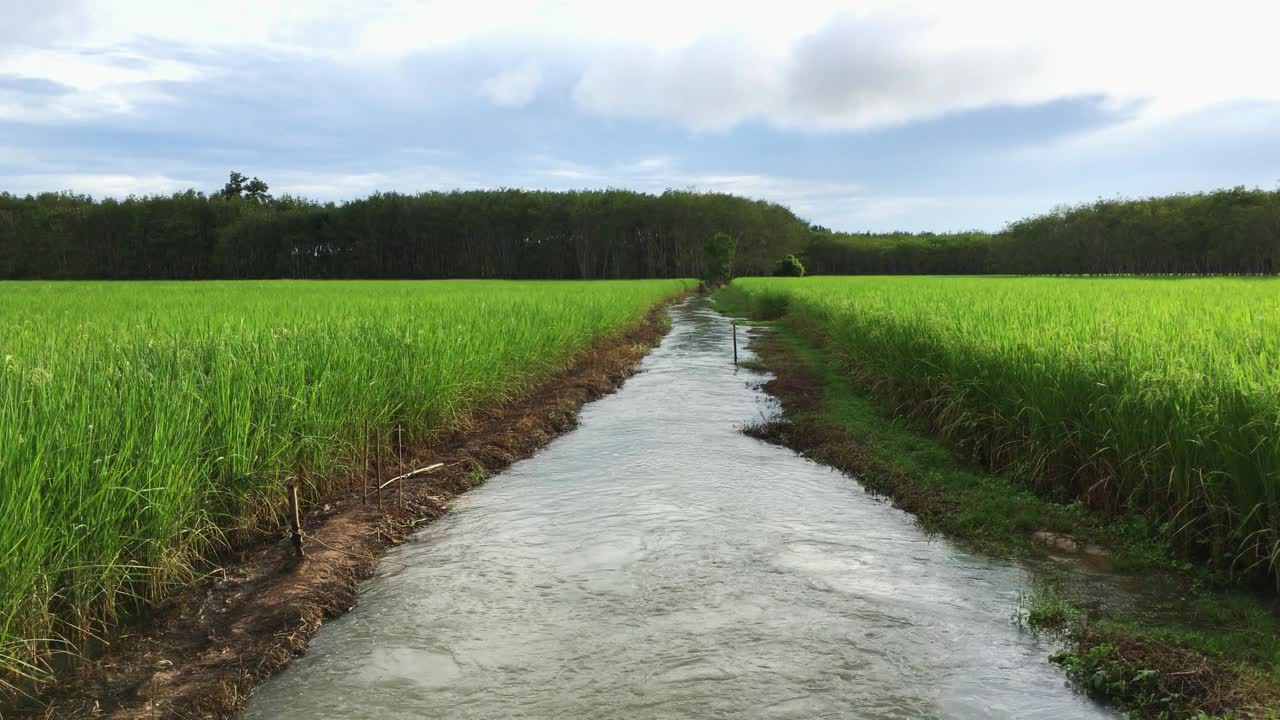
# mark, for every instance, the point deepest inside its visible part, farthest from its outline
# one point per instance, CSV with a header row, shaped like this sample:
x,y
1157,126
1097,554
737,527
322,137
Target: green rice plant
x,y
1160,397
145,426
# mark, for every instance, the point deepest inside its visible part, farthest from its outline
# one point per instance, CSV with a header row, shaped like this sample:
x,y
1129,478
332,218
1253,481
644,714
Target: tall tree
x,y
718,255
256,190
235,186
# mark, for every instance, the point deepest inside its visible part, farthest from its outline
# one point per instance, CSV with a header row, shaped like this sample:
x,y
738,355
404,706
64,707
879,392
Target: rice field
x,y
1155,397
144,425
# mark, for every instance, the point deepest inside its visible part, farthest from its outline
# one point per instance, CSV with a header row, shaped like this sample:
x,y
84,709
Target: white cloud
x,y
88,84
656,163
93,71
1150,134
325,98
97,185
893,63
513,88
712,64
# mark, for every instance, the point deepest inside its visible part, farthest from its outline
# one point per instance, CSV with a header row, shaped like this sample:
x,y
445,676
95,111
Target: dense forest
x,y
243,232
1228,232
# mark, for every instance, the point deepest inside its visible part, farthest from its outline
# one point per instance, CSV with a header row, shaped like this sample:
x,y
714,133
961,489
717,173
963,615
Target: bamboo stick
x,y
295,520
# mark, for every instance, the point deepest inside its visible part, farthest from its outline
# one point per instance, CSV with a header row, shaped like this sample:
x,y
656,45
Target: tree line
x,y
243,232
1226,232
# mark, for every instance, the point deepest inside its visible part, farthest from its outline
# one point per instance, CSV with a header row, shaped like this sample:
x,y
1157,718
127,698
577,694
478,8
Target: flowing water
x,y
656,563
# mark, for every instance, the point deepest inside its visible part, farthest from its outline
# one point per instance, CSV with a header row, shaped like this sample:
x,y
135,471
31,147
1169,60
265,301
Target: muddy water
x,y
656,563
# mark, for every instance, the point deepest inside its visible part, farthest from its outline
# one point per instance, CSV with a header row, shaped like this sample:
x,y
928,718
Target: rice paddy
x,y
144,426
1157,398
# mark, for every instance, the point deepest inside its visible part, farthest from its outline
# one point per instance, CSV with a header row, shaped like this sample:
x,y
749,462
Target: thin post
x,y
364,470
378,461
295,520
735,343
400,463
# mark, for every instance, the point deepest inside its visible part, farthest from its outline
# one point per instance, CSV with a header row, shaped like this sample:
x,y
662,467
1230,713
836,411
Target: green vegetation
x,y
145,426
1229,670
1044,610
789,266
718,256
241,232
898,457
1225,232
1210,648
898,253
1159,398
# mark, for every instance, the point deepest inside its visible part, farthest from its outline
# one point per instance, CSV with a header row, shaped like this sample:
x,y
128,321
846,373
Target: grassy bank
x,y
1218,652
146,426
1157,399
1226,667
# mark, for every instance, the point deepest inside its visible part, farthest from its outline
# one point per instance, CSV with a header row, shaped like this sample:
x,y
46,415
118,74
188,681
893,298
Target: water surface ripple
x,y
655,563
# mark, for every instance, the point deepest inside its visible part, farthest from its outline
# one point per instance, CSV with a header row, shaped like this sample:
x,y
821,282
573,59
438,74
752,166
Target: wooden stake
x,y
378,461
295,520
400,463
364,471
735,343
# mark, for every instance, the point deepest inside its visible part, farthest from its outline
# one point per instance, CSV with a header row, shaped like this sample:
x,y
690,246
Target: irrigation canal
x,y
656,563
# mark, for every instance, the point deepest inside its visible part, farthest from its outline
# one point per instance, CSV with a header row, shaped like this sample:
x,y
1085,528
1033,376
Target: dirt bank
x,y
804,428
201,654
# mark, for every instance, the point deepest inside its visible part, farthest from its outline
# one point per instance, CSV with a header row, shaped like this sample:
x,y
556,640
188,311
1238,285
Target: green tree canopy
x,y
241,231
718,255
235,185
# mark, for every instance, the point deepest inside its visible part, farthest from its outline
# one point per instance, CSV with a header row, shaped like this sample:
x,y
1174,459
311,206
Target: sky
x,y
875,115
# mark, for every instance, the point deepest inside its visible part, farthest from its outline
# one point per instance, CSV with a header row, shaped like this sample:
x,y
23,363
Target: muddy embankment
x,y
203,651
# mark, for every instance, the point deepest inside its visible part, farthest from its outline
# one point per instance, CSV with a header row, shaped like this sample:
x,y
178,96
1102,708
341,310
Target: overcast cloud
x,y
867,115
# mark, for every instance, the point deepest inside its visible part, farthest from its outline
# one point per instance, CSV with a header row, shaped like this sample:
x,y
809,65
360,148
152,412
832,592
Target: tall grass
x,y
1159,397
145,425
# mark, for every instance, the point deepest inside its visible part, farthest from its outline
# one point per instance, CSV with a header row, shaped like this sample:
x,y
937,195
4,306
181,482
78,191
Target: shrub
x,y
789,266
